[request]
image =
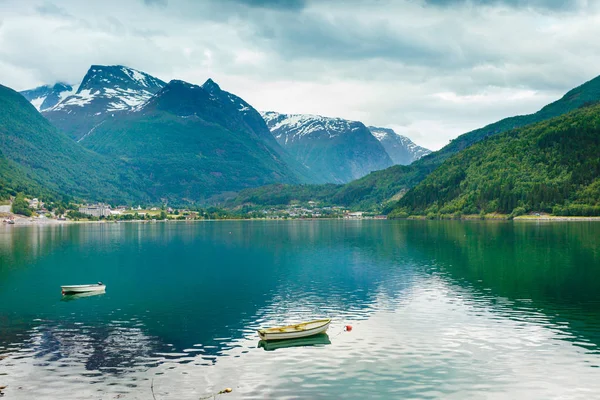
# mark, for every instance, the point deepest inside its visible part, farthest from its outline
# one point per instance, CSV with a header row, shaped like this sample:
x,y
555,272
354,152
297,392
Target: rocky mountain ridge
x,y
401,149
337,149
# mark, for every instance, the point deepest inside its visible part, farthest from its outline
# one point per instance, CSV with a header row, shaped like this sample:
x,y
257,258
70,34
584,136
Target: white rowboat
x,y
98,287
303,329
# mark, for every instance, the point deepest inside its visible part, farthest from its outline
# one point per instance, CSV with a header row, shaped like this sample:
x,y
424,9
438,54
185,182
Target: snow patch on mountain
x,y
400,148
81,98
297,126
105,90
64,94
91,131
37,102
380,134
117,88
47,96
135,75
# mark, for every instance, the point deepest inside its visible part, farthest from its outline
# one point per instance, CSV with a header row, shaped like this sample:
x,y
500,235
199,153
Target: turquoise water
x,y
438,309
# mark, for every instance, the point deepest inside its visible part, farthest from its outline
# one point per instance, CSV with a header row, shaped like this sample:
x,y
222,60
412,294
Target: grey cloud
x,y
114,25
275,4
492,54
539,4
231,5
412,63
149,33
312,36
52,9
160,3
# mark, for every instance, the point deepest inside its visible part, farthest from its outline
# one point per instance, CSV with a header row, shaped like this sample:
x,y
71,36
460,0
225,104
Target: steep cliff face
x,y
37,158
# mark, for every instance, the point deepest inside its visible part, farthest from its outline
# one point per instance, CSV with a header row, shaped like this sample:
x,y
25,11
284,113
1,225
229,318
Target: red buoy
x,y
348,328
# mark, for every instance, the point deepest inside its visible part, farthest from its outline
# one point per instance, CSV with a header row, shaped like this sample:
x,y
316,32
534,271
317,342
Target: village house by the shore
x,y
96,210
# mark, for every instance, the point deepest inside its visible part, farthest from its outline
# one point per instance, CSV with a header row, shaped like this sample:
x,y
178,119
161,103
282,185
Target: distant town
x,y
25,210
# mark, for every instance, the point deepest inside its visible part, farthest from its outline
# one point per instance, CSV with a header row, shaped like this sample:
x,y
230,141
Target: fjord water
x,y
439,309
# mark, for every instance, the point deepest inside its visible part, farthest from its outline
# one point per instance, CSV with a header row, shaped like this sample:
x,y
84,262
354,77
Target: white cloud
x,y
431,69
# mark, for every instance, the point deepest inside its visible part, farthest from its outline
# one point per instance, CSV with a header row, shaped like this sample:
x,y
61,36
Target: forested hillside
x,y
190,146
586,94
284,194
364,193
395,180
37,158
550,166
14,180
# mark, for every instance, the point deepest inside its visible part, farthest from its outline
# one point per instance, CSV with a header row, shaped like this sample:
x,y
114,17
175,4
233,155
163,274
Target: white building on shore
x,y
354,215
35,204
96,210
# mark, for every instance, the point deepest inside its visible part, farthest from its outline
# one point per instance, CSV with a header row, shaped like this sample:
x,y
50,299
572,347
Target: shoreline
x,y
553,218
505,217
54,222
547,218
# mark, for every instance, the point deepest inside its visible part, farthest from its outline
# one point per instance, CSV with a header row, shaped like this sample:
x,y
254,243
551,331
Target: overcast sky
x,y
430,69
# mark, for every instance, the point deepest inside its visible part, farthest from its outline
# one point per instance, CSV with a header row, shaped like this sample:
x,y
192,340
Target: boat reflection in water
x,y
75,296
321,339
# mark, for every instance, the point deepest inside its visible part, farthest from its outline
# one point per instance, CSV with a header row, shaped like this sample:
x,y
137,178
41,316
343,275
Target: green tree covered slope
x,y
38,159
190,146
551,166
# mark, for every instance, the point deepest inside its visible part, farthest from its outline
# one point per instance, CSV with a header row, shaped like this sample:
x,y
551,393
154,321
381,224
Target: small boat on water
x,y
320,339
296,331
70,289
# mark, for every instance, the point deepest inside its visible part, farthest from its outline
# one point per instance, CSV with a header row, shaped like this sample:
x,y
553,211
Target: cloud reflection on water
x,y
424,326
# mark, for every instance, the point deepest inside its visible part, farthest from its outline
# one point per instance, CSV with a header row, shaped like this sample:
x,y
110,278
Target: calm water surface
x,y
439,310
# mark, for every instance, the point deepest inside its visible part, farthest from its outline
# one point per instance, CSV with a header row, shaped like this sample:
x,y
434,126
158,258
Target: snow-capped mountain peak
x,y
401,149
338,150
48,96
104,91
115,88
297,126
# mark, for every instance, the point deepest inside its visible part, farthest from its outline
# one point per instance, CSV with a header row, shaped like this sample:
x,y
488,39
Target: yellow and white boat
x,y
296,331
